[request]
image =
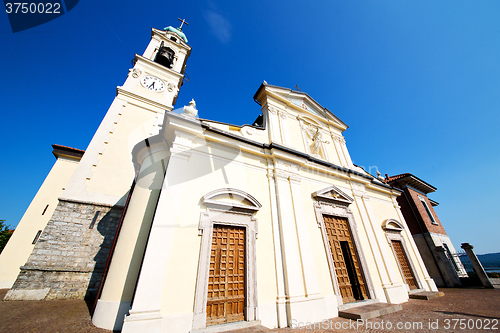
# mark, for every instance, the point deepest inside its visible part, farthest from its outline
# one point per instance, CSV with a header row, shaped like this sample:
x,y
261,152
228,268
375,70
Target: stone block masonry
x,y
69,257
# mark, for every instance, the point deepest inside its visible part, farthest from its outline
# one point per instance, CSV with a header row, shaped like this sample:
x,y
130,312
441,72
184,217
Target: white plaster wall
x,y
19,247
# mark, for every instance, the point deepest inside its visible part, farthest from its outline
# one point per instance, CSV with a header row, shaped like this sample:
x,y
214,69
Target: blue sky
x,y
418,82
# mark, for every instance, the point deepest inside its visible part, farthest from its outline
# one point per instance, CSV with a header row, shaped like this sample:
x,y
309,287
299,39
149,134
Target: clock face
x,y
153,83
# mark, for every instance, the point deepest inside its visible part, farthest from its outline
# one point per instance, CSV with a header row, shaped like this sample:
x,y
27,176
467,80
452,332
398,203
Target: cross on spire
x,y
183,21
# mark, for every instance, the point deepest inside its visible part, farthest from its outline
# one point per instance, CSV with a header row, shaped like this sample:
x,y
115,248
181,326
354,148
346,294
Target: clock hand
x,y
152,85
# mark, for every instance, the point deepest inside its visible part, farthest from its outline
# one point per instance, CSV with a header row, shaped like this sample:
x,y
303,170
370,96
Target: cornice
x,y
291,105
163,34
285,153
158,67
127,93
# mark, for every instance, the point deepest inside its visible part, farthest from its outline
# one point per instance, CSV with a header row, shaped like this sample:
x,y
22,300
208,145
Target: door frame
x,y
222,212
393,229
333,202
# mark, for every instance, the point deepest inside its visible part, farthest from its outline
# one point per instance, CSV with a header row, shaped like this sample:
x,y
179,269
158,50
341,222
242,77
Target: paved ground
x,y
45,316
469,307
459,310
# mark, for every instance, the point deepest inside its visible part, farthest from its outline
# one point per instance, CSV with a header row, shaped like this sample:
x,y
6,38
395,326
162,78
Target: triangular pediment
x,y
333,194
303,104
229,198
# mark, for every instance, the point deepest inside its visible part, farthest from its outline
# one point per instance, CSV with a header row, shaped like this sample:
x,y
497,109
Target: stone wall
x,y
69,257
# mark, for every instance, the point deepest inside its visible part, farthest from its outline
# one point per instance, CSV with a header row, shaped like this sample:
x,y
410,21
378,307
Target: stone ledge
x,y
426,295
370,311
228,327
358,304
58,269
26,294
495,282
90,203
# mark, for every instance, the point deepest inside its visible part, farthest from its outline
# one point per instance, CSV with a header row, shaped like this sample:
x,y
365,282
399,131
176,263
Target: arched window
x,y
165,56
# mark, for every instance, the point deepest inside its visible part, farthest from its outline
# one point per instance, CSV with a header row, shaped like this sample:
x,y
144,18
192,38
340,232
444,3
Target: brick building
x,y
428,232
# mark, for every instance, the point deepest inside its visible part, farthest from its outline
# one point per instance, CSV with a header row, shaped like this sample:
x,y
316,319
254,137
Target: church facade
x,y
178,223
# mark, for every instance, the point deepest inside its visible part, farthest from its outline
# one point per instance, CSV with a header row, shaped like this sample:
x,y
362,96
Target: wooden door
x,y
403,262
347,269
226,281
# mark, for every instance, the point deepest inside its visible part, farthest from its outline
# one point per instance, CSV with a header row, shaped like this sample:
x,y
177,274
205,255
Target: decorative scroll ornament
x,y
135,72
273,110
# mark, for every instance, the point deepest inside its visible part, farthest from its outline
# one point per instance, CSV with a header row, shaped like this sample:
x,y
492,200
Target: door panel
x,y
403,262
226,281
346,264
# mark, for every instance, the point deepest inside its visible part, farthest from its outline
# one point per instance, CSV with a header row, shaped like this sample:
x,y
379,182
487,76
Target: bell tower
x,y
151,88
159,73
100,182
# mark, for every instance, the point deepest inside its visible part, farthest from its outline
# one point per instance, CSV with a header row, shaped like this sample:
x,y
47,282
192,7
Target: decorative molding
x,y
283,114
124,92
215,199
333,194
392,225
135,72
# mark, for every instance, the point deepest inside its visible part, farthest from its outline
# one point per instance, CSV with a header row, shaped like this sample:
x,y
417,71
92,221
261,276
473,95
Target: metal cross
x,y
182,22
297,87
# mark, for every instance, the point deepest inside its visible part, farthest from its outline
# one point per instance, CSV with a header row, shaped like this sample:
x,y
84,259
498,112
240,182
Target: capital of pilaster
x,y
294,179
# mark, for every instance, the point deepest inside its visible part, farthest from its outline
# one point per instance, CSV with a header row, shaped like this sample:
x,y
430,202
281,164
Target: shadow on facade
x,y
106,226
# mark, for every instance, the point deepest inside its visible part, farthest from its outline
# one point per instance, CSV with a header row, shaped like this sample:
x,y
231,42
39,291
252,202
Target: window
x,y
36,237
427,210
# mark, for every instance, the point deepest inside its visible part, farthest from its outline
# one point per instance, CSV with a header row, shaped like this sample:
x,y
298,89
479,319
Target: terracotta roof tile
x,y
74,149
391,178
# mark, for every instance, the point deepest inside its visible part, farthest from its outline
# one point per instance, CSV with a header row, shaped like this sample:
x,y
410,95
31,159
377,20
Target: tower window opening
x,y
173,39
165,57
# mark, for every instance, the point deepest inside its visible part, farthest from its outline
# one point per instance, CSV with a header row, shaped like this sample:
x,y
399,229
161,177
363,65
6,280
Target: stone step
x,y
253,329
236,327
370,311
426,295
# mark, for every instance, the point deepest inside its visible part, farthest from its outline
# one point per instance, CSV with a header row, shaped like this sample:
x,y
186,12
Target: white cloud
x,y
220,26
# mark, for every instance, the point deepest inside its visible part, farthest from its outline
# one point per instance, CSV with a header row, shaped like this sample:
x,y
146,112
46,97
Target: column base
x,y
143,321
432,285
396,294
110,315
310,310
